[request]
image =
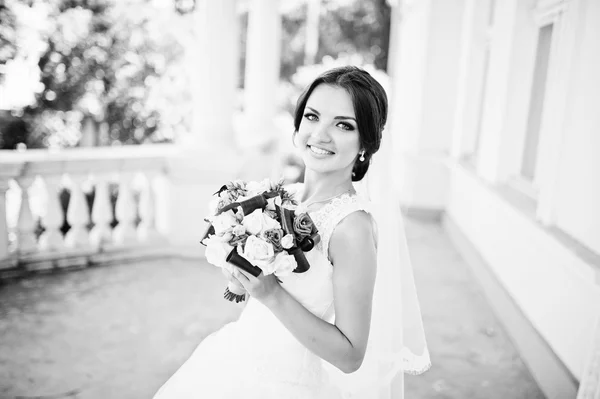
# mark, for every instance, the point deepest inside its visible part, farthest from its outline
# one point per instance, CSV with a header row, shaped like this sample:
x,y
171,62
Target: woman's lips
x,y
319,150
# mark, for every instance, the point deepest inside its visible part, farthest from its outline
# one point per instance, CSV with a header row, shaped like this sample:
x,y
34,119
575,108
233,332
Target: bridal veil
x,y
397,341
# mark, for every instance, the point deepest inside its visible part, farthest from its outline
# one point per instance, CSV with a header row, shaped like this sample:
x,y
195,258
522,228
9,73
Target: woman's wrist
x,y
274,298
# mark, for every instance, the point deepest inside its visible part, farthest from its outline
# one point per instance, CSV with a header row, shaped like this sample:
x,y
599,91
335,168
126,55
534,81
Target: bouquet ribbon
x,y
251,204
237,260
287,225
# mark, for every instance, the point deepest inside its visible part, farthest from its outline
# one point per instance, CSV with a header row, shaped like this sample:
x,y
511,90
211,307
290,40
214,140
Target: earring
x,y
362,156
294,139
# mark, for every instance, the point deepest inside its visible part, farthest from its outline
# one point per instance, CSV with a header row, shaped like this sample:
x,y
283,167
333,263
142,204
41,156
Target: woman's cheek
x,y
302,137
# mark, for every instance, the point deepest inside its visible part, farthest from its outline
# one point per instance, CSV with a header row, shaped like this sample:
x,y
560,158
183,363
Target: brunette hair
x,y
370,107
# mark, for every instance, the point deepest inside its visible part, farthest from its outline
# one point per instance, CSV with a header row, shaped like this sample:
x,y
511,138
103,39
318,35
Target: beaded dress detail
x,y
256,357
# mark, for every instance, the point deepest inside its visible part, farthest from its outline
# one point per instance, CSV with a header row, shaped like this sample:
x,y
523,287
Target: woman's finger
x,y
240,275
226,273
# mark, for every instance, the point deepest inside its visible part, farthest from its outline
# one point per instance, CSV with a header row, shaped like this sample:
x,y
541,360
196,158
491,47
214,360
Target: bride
x,y
351,324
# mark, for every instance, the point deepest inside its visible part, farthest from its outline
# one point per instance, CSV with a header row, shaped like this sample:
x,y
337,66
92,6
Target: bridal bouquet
x,y
250,227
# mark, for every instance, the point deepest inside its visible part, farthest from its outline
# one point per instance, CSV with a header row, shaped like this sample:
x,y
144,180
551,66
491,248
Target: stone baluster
x,y
125,232
3,224
52,239
147,232
77,215
101,233
26,241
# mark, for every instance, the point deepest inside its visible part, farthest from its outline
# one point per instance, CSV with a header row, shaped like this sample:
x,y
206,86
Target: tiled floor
x,y
120,331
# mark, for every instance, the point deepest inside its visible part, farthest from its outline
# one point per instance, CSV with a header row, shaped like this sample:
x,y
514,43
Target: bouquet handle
x,y
234,291
237,260
301,260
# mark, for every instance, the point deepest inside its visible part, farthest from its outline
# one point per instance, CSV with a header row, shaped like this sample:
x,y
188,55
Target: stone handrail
x,y
39,176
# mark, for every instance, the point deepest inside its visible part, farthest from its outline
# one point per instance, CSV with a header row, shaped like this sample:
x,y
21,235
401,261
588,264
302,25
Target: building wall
x,y
537,229
552,285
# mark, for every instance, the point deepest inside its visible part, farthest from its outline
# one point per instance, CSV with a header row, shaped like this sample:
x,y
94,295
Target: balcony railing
x,y
77,207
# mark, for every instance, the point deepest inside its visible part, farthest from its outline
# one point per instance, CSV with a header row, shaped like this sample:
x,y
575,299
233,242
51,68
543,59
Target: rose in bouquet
x,y
252,227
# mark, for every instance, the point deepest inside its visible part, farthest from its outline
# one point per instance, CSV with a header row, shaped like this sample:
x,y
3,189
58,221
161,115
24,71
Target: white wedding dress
x,y
256,357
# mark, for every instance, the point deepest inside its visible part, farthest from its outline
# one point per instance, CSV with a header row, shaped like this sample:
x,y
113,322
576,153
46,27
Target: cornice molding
x,y
549,11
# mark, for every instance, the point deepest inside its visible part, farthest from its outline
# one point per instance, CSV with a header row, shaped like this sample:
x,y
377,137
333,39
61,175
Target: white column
x,y
213,69
394,48
424,90
207,157
471,81
508,84
311,45
263,48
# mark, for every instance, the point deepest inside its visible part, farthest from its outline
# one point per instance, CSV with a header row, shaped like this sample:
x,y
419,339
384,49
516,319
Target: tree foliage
x,y
8,31
102,62
119,66
350,27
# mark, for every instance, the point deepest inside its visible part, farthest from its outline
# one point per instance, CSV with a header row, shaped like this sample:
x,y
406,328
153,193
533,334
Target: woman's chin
x,y
317,166
324,165
322,169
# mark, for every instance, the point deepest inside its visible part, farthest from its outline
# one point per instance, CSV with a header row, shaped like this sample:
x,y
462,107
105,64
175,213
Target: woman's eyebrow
x,y
313,110
345,117
337,117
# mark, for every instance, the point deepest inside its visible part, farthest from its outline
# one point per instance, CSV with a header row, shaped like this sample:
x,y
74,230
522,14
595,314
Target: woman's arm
x,y
343,344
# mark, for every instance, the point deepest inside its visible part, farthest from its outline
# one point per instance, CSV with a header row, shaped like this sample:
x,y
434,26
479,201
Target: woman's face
x,y
328,137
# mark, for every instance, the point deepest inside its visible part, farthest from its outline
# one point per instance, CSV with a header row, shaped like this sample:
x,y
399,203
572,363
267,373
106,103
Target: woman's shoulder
x,y
351,221
356,226
353,235
357,220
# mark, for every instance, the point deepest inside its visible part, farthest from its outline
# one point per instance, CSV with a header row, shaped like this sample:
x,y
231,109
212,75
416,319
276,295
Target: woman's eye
x,y
311,117
345,126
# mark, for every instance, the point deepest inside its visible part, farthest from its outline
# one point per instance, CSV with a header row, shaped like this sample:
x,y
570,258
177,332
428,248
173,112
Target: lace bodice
x,y
329,216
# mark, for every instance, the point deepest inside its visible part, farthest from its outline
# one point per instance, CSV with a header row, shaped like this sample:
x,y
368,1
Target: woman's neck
x,y
319,186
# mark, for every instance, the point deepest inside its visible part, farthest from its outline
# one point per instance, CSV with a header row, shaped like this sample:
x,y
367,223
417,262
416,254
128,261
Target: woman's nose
x,y
321,132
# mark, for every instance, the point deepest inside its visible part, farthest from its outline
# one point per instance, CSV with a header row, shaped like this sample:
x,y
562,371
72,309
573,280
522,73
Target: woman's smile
x,y
320,152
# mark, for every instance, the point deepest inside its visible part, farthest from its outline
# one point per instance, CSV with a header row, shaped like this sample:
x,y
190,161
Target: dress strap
x,y
331,214
328,217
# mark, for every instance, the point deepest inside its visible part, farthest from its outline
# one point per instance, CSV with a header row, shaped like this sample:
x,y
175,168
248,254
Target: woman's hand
x,y
263,288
